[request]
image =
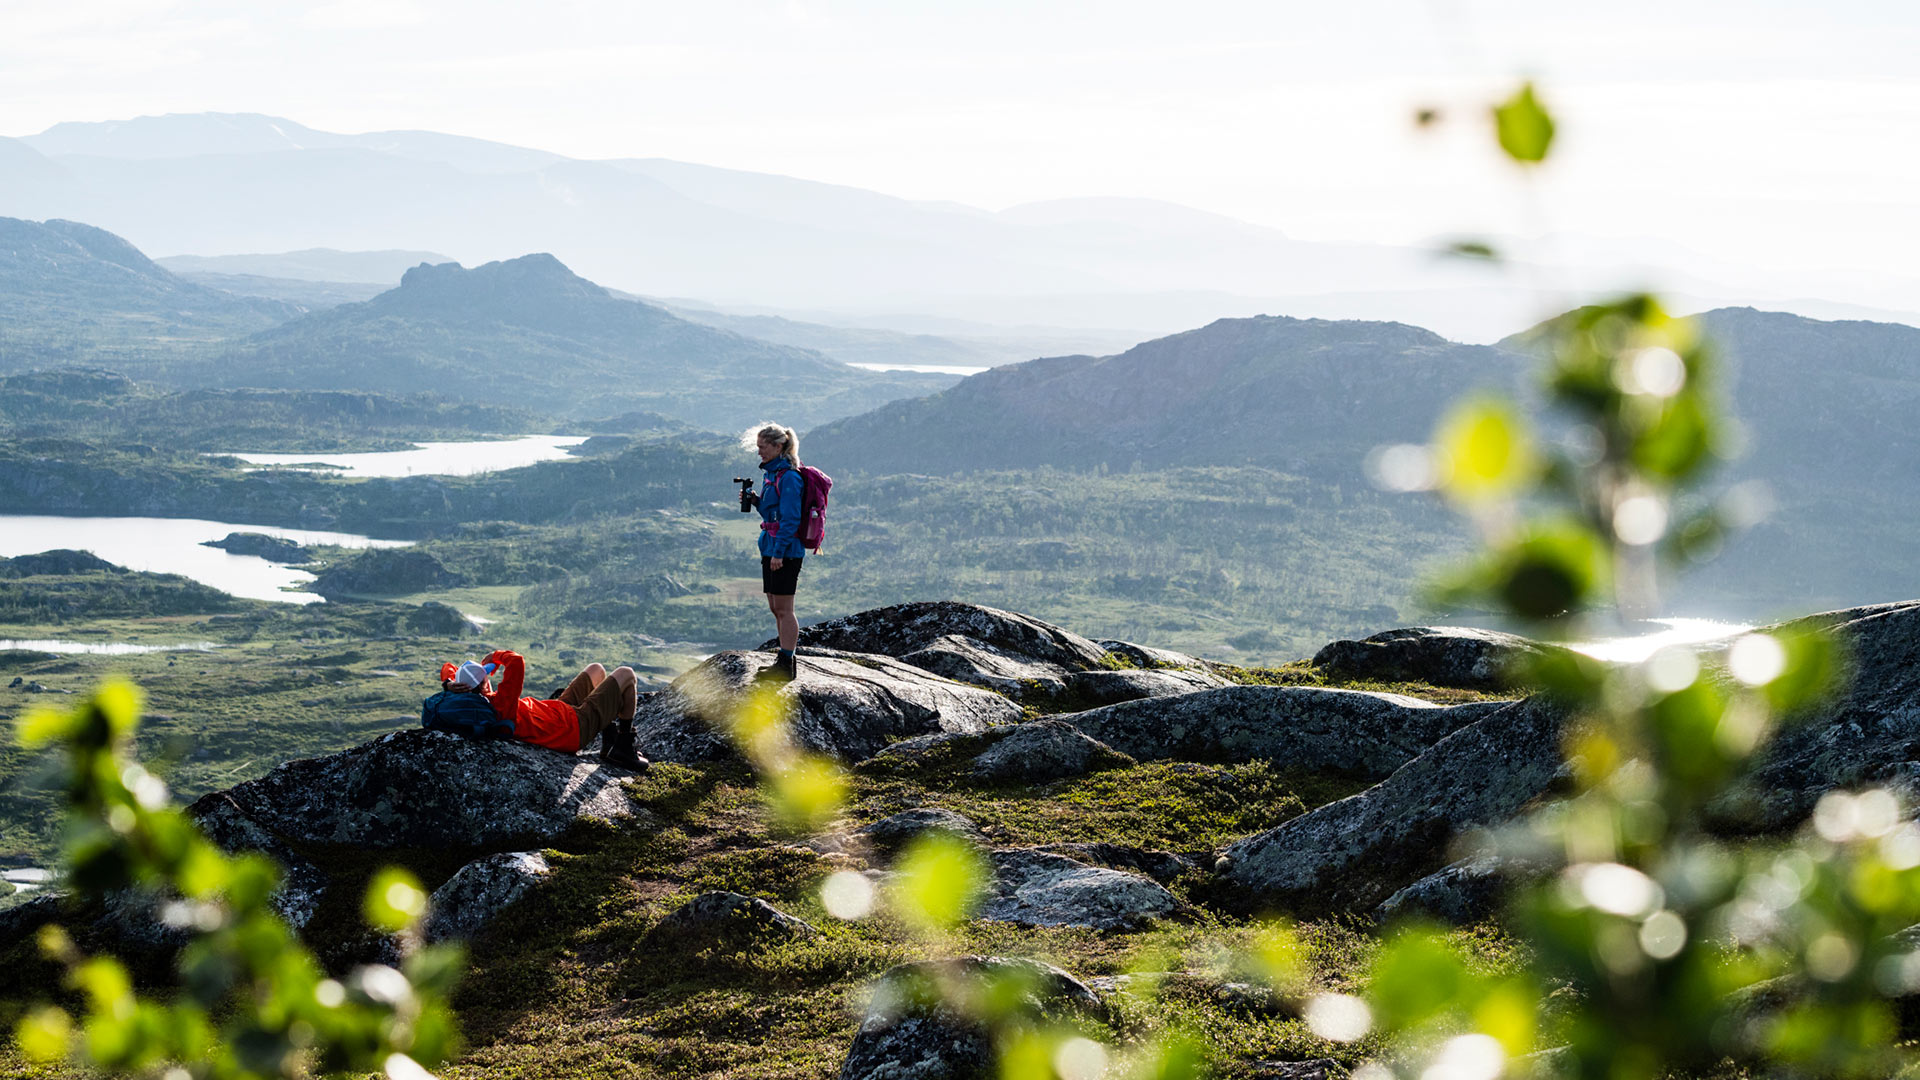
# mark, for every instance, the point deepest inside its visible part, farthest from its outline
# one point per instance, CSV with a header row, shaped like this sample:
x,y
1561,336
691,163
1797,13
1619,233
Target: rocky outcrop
x,y
728,920
1352,732
428,789
1459,893
385,572
435,619
478,891
58,562
1457,656
1161,866
966,660
1866,734
1148,657
270,548
888,835
1011,653
910,1032
1041,751
1352,854
845,705
1037,888
1112,687
301,882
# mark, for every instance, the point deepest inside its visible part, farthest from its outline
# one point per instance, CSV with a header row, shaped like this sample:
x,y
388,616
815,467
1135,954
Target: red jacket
x,y
552,724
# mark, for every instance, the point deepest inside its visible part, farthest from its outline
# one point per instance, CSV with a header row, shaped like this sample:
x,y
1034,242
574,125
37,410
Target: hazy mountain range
x,y
213,184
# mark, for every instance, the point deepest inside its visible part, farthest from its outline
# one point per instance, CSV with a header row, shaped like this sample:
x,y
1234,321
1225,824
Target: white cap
x,y
471,674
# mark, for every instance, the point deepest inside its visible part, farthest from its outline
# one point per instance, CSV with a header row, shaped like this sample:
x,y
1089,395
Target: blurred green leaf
x,y
44,1034
1524,128
1488,451
394,901
1027,1055
1416,979
939,880
808,792
1173,1058
1472,249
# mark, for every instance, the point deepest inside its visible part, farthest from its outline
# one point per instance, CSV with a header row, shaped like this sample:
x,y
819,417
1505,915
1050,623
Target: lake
x,y
104,648
428,459
932,369
174,546
1635,648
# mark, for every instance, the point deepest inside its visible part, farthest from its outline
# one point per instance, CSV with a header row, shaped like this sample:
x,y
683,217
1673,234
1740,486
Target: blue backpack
x,y
466,713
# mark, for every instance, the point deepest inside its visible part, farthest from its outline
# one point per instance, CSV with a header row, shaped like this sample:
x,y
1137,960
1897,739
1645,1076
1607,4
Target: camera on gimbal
x,y
748,500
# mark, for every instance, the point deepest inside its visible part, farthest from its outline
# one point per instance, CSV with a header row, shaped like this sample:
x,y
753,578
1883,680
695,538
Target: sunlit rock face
x,y
848,706
1457,656
1352,732
1352,854
1865,734
429,789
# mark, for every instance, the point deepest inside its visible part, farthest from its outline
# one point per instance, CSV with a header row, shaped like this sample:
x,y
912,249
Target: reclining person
x,y
596,704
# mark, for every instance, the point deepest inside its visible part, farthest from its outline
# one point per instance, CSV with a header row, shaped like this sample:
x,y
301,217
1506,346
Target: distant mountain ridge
x,y
71,291
531,332
1298,395
1827,407
313,264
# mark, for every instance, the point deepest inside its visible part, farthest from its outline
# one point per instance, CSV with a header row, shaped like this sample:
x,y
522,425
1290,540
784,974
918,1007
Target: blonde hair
x,y
787,439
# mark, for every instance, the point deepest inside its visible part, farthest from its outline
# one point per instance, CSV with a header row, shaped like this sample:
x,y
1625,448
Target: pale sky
x,y
1752,132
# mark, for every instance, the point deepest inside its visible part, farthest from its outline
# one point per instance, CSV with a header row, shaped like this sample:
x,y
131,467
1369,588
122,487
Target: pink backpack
x,y
813,508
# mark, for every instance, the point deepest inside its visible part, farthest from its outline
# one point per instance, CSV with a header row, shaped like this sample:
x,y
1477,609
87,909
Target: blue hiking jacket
x,y
780,499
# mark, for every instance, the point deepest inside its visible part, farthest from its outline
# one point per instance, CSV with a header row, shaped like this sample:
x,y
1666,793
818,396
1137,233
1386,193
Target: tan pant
x,y
598,706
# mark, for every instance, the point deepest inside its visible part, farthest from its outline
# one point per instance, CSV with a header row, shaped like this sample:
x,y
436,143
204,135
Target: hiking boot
x,y
617,749
785,669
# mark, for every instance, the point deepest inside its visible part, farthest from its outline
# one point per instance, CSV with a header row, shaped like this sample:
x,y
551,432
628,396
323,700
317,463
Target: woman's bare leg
x,y
785,623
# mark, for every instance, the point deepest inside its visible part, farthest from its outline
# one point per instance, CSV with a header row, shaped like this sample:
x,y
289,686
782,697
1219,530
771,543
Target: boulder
x,y
907,628
270,548
845,705
1041,751
420,788
1350,855
729,920
479,890
1459,893
1353,732
1866,734
1037,888
1161,866
301,883
890,834
385,572
963,659
1113,687
1457,656
1148,657
909,1032
435,619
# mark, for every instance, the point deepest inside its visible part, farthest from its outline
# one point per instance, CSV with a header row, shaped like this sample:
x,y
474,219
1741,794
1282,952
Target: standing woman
x,y
780,550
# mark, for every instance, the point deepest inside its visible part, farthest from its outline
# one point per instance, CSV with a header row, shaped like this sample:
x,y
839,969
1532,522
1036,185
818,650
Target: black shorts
x,y
779,582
